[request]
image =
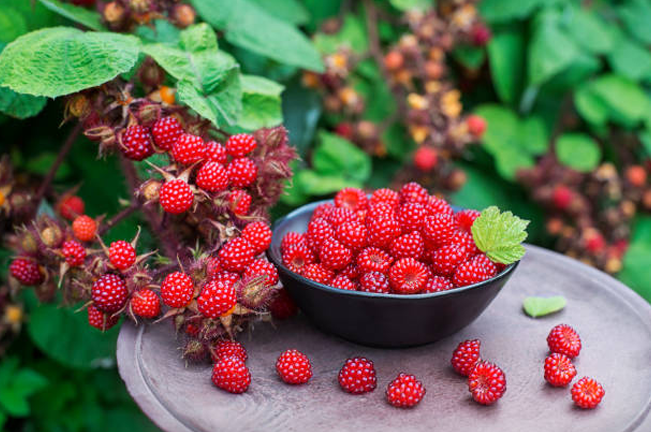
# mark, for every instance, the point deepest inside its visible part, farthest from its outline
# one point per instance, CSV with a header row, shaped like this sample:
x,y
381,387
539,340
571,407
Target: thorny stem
x,y
124,213
63,152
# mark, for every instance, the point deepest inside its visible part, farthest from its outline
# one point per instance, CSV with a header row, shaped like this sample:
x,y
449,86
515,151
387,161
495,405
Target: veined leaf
x,y
19,105
500,235
578,151
540,306
80,15
261,104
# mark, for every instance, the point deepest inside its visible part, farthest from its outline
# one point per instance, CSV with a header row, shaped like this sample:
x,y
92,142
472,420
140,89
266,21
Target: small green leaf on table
x,y
540,306
500,235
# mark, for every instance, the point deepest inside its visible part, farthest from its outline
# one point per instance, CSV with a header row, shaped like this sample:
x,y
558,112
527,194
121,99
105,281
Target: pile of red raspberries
x,y
405,242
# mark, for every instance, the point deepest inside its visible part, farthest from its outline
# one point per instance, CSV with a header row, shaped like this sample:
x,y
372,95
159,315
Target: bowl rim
x,y
389,296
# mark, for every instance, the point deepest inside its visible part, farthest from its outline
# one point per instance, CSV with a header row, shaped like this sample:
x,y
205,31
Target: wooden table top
x,y
613,321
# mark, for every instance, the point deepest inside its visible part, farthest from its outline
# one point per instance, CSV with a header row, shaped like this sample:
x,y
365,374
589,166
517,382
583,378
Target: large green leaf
x,y
66,337
19,105
635,272
62,60
314,183
590,31
506,55
495,11
578,151
551,49
162,32
247,25
636,15
261,106
625,99
12,25
301,112
209,79
83,16
336,156
291,11
590,106
630,59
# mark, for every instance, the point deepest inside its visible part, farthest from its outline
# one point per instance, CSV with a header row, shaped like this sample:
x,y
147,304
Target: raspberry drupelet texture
x,y
212,177
466,356
438,283
74,253
84,228
413,192
409,245
297,256
564,339
351,198
240,145
242,172
559,370
145,303
258,234
374,282
121,254
344,283
26,271
217,299
294,367
386,196
176,196
372,259
357,376
189,149
71,206
352,234
236,254
487,383
587,393
177,290
101,320
225,348
232,375
109,293
166,131
334,255
216,152
405,391
408,276
262,267
136,143
239,202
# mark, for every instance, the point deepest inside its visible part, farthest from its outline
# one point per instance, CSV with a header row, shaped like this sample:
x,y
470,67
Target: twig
x,y
63,152
122,214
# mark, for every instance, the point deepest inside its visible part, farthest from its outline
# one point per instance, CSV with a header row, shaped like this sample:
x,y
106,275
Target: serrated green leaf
x,y
540,306
162,32
80,15
247,25
261,104
18,105
500,235
578,151
336,156
62,60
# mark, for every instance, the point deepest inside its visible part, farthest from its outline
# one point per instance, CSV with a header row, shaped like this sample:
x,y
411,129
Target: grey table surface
x,y
613,321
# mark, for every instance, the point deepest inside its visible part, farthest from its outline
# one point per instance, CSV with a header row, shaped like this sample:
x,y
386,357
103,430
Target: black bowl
x,y
381,320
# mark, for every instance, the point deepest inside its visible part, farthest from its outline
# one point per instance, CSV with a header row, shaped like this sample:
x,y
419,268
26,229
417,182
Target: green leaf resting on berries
x,y
80,15
540,306
499,235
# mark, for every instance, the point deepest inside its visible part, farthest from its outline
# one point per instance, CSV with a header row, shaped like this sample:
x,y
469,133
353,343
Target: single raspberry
x,y
100,320
486,382
587,393
350,271
136,143
262,267
439,229
166,131
386,196
411,216
240,145
357,376
476,125
334,255
381,210
228,348
242,172
426,158
258,234
339,215
318,230
217,299
374,282
351,198
109,293
466,356
409,245
71,206
322,211
84,228
352,234
177,290
438,283
232,375
436,205
382,230
297,256
559,370
317,273
121,254
447,258
465,239
212,177
188,149
26,272
282,306
74,253
405,391
408,276
227,277
236,254
372,259
476,269
216,152
145,303
342,282
176,196
239,202
564,339
292,238
294,367
413,192
466,218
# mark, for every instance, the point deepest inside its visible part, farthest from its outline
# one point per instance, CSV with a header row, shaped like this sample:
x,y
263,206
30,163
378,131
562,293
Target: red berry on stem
x,y
239,202
559,370
466,356
587,393
216,152
217,299
74,253
425,158
262,267
145,303
258,234
136,143
480,34
228,348
232,375
236,254
405,391
101,320
242,172
71,206
176,196
212,177
84,228
177,290
487,383
166,131
357,376
562,196
564,339
109,293
294,367
188,149
26,271
476,125
240,145
121,254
